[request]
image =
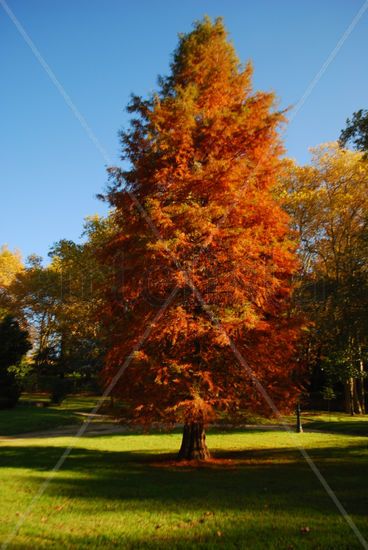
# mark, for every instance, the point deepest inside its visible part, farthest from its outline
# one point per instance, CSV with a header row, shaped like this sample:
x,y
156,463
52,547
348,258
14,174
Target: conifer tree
x,y
204,155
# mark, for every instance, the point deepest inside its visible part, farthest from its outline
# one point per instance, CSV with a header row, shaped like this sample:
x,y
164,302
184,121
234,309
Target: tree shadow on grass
x,y
342,427
267,484
240,476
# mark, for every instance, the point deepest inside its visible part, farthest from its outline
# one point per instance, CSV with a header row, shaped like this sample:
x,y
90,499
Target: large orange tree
x,y
202,250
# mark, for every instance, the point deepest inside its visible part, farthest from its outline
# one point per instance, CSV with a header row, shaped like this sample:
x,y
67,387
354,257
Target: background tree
x,y
204,155
14,344
80,337
58,303
10,265
36,293
328,201
356,131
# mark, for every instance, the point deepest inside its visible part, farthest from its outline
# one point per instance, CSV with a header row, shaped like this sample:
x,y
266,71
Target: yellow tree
x,y
10,265
328,200
58,303
80,278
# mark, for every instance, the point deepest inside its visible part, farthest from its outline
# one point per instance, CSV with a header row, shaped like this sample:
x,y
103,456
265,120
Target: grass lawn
x,y
337,423
29,418
120,491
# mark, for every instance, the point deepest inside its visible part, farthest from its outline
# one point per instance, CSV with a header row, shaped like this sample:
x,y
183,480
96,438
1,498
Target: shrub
x,y
59,390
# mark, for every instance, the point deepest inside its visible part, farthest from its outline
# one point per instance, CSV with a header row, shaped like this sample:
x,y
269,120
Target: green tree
x,y
14,344
356,131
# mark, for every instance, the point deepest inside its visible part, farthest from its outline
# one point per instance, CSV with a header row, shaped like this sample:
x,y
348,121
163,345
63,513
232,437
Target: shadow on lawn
x,y
342,427
274,486
249,479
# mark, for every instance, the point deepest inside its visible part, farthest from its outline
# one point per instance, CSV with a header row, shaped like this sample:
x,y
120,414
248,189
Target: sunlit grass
x,y
120,491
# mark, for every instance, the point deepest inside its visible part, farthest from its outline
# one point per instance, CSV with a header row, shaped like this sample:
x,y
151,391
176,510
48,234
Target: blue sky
x,y
103,50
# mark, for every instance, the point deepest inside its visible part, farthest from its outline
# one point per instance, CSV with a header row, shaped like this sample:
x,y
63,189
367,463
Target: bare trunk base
x,y
354,397
193,445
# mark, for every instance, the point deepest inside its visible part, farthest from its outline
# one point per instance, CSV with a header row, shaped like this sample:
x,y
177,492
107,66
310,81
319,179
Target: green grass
x,y
29,418
118,491
121,490
337,423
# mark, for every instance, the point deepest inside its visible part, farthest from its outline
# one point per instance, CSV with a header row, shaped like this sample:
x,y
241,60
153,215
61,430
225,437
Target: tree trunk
x,y
361,386
349,396
357,404
193,445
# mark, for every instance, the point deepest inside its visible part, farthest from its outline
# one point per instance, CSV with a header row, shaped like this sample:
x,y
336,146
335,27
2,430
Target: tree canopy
x,y
10,265
328,202
356,131
204,154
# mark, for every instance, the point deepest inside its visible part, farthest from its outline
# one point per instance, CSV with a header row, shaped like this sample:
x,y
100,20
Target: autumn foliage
x,y
203,254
